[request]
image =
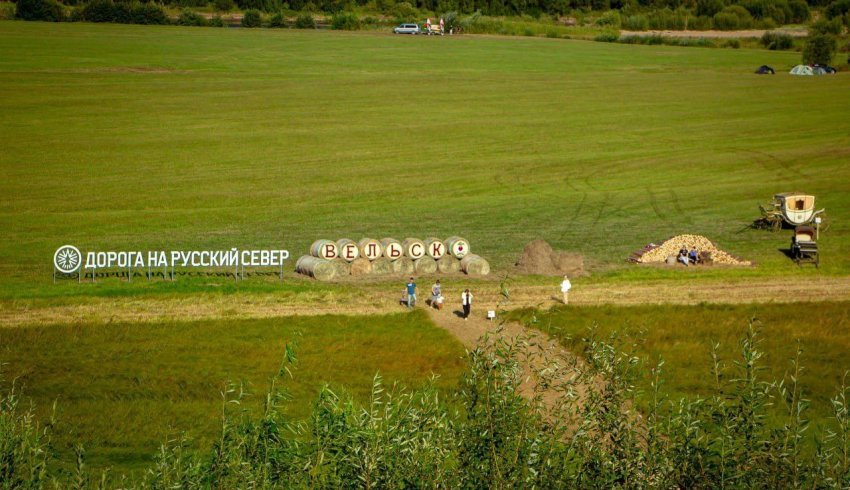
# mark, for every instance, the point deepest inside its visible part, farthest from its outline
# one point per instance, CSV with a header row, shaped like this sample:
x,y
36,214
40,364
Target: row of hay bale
x,y
330,259
670,248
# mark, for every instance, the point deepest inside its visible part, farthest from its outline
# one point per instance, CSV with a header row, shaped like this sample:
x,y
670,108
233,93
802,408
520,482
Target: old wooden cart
x,y
793,208
804,248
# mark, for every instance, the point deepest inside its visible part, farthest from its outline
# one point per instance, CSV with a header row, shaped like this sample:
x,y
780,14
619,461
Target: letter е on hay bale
x,y
348,250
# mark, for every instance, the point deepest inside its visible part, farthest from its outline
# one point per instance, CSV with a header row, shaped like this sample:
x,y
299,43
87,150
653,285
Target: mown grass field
x,y
138,138
122,389
682,337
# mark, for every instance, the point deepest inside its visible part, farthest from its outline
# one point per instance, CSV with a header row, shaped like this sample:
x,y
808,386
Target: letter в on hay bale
x,y
325,249
348,250
315,267
370,248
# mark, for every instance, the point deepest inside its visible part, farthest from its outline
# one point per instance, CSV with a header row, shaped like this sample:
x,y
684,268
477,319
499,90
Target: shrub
x,y
148,13
838,8
733,18
700,23
45,10
305,21
833,27
405,12
707,8
819,49
224,5
775,41
799,11
217,21
732,43
607,37
345,21
252,18
190,18
636,23
277,20
609,19
7,10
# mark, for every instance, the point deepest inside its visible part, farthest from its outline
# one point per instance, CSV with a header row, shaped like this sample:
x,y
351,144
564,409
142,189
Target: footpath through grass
x,y
122,389
682,336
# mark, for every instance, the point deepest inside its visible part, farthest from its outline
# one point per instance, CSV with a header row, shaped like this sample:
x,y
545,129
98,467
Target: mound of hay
x,y
403,265
382,265
653,253
361,267
342,267
448,264
538,258
425,265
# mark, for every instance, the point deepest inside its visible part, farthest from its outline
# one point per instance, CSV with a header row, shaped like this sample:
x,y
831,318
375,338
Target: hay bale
x,y
435,248
348,249
475,265
370,248
392,248
382,265
448,264
425,265
325,249
316,267
413,248
404,266
538,258
458,247
361,267
343,268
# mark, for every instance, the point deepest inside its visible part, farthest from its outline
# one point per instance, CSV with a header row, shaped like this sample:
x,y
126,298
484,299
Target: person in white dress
x,y
565,288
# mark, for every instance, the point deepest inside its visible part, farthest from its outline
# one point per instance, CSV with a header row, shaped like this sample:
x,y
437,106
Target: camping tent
x,y
802,70
764,70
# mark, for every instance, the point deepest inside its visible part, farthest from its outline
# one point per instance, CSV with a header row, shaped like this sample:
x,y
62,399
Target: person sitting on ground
x,y
683,256
437,295
693,256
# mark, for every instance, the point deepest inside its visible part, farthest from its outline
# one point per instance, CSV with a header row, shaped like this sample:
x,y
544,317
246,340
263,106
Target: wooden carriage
x,y
794,208
804,247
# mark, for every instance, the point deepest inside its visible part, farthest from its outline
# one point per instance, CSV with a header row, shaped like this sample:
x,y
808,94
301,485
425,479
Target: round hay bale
x,y
448,264
342,267
381,266
403,266
425,265
347,249
413,248
670,260
435,248
457,246
370,248
475,265
361,267
392,248
316,267
325,249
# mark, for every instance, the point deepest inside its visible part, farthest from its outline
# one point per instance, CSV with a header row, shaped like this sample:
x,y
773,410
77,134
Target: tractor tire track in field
x,y
770,163
653,201
678,207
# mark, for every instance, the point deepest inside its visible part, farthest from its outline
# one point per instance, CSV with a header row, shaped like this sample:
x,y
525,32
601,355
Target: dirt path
x,y
752,33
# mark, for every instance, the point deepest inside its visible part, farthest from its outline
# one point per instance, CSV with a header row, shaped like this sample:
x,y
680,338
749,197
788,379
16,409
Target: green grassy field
x,y
137,138
122,389
682,336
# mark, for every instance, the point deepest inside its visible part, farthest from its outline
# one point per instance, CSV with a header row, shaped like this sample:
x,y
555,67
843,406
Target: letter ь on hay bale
x,y
347,249
382,265
404,266
316,267
475,265
457,246
370,248
392,248
435,248
448,264
326,249
425,265
361,267
413,248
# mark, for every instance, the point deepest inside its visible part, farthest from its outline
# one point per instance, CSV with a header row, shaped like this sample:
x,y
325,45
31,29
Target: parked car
x,y
407,29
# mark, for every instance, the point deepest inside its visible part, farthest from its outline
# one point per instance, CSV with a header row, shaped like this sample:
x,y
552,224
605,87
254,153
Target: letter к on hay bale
x,y
435,248
392,248
457,246
404,266
425,265
382,265
347,249
475,265
370,248
325,249
448,264
361,267
413,248
315,267
342,267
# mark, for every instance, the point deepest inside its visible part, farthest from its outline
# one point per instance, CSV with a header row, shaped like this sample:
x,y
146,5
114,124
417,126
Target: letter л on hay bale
x,y
435,248
413,248
404,265
315,267
448,264
347,249
425,265
475,265
361,267
392,248
325,249
457,246
370,248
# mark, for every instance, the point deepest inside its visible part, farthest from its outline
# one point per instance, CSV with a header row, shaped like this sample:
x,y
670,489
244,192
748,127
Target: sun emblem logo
x,y
67,259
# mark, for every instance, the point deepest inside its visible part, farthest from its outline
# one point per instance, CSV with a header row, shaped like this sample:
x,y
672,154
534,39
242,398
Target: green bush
x,y
217,21
778,10
7,10
775,41
732,18
636,23
732,43
277,20
838,8
700,23
305,21
609,19
819,49
607,37
190,18
345,21
665,18
833,27
44,10
707,8
148,13
799,11
252,18
405,12
224,5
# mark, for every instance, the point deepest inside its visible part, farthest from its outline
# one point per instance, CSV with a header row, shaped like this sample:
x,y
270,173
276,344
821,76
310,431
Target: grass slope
x,y
121,389
135,138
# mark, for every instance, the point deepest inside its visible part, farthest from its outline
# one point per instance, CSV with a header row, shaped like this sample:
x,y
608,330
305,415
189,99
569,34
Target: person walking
x,y
437,295
411,293
466,302
565,288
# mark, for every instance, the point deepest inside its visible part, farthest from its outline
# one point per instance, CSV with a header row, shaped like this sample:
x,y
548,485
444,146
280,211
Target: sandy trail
x,y
751,33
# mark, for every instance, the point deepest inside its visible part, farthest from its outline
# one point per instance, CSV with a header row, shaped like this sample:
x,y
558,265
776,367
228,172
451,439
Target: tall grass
x,y
588,436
